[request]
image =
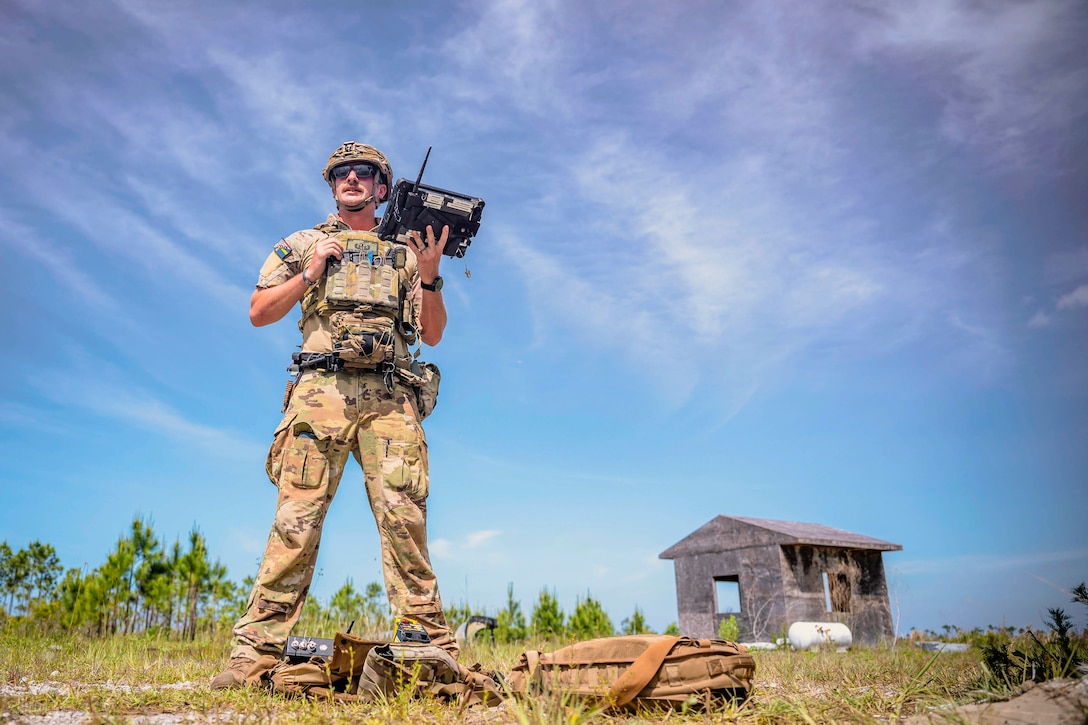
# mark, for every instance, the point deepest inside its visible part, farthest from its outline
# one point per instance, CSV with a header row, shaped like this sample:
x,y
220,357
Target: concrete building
x,y
770,574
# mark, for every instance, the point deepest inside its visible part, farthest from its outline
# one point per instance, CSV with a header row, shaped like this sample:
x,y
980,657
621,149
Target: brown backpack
x,y
639,670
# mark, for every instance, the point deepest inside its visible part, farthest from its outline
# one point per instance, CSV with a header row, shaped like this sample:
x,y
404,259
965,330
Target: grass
x,y
115,679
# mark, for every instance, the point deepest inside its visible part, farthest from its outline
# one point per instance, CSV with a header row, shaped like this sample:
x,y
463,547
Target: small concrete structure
x,y
769,574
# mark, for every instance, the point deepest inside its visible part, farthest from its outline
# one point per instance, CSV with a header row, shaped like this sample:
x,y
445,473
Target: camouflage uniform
x,y
331,415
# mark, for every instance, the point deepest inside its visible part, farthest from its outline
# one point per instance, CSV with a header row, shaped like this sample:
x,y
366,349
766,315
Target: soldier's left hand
x,y
428,251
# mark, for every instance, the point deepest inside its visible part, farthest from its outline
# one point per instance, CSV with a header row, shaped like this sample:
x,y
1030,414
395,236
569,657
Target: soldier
x,y
359,391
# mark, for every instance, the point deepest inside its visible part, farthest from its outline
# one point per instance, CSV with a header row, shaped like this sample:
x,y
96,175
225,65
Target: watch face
x,y
433,286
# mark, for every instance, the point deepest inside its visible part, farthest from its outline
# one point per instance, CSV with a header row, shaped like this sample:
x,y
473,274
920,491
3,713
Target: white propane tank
x,y
812,635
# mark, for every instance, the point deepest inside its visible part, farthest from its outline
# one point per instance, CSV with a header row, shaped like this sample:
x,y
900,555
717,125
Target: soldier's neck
x,y
362,220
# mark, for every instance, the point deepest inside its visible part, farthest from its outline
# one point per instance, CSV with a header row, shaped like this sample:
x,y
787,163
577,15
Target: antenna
x,y
420,177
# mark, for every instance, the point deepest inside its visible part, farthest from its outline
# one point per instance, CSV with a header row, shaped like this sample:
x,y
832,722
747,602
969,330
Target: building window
x,y
727,594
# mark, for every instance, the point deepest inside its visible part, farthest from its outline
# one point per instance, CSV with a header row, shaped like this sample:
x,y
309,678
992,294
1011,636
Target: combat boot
x,y
234,677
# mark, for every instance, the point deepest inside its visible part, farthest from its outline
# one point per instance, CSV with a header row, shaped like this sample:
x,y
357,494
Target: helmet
x,y
353,151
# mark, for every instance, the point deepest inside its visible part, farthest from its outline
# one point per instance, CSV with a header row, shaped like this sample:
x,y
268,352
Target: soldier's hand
x,y
428,251
329,247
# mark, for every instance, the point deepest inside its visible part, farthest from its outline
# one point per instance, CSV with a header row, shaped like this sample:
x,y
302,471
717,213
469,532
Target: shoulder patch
x,y
282,249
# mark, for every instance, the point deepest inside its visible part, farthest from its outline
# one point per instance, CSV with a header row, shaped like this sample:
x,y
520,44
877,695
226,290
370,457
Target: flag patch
x,y
283,249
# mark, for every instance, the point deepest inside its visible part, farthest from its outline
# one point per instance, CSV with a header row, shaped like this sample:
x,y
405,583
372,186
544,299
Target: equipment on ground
x,y
300,649
365,670
475,624
409,630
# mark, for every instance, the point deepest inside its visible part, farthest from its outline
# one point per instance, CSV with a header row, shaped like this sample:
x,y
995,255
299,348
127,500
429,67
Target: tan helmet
x,y
353,151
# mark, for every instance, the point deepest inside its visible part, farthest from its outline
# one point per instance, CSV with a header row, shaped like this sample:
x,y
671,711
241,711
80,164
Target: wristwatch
x,y
433,286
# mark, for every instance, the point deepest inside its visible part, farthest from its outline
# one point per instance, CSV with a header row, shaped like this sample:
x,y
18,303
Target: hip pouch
x,y
423,378
362,342
427,393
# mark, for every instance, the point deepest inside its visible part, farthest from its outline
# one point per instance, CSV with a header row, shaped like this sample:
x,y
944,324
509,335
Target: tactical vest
x,y
366,298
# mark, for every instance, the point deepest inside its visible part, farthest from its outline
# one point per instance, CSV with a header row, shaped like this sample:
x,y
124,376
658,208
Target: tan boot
x,y
234,677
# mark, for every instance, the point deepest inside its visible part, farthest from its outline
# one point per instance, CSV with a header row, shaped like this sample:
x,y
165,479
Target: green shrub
x,y
548,619
1008,663
728,629
636,624
589,620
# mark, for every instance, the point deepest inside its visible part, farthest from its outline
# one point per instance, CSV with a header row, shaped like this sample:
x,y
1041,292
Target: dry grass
x,y
164,681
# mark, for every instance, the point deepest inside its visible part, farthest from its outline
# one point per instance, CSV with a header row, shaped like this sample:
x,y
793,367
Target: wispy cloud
x,y
126,233
116,397
1074,300
440,548
1065,304
772,243
723,256
479,538
989,563
516,54
1000,71
1040,320
476,542
22,240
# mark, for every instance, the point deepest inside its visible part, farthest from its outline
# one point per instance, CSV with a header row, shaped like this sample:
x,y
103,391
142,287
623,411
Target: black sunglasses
x,y
362,171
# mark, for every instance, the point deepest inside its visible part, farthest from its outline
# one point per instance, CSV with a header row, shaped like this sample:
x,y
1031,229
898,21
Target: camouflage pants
x,y
330,416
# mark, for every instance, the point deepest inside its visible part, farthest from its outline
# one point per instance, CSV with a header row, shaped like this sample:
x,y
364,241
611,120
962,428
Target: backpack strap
x,y
641,671
525,677
261,670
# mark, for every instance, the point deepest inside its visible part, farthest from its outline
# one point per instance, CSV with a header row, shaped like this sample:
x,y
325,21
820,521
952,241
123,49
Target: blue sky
x,y
783,260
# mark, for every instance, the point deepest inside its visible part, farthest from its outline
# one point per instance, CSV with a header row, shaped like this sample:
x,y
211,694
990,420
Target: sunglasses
x,y
362,171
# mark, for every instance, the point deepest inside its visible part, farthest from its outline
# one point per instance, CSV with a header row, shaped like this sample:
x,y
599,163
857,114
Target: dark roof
x,y
725,533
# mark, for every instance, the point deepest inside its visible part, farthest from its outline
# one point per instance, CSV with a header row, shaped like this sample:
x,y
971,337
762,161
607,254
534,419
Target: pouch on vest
x,y
368,274
639,670
362,342
366,277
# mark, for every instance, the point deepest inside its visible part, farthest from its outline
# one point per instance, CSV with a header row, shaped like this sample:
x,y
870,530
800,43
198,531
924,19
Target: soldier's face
x,y
353,189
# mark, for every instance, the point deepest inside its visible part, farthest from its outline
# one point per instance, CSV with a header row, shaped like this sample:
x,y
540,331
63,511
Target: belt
x,y
329,361
333,363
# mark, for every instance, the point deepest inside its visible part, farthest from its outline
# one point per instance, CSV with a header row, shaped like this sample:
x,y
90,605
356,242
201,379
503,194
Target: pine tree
x,y
146,553
548,619
589,620
511,621
636,624
5,571
375,608
16,576
195,572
